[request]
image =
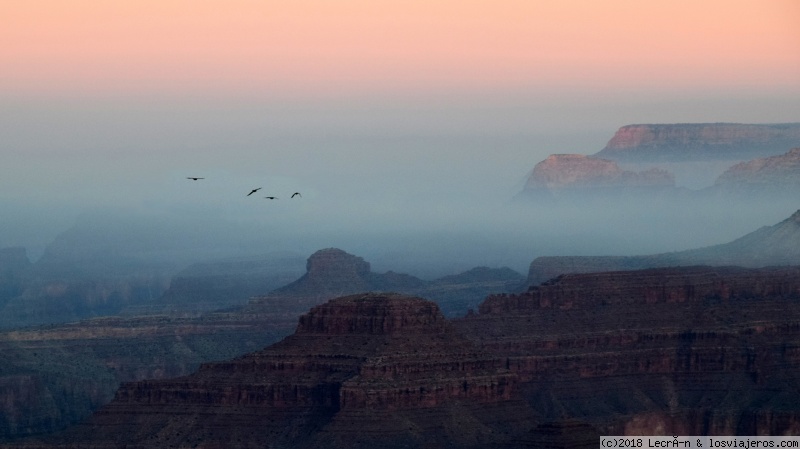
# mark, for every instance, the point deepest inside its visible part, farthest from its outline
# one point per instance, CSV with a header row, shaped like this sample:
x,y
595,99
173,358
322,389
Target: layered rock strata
x,y
700,141
360,371
692,351
562,174
55,376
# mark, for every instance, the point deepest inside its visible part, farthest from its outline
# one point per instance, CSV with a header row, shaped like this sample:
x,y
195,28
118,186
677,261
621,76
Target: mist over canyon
x,y
131,297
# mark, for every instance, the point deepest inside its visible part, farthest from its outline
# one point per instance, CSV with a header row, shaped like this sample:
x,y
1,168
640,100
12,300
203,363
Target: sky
x,y
396,112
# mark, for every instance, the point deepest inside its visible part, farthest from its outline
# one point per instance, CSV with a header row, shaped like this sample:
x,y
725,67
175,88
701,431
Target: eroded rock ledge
x,y
700,141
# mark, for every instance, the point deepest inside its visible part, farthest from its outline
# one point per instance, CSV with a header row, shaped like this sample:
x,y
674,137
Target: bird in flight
x,y
296,194
193,178
271,197
254,191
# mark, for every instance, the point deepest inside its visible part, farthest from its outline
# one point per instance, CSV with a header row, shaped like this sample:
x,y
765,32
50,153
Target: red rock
x,y
390,358
693,350
696,141
565,172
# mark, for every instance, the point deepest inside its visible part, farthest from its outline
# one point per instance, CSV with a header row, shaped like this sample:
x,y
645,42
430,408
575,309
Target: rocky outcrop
x,y
158,346
360,371
576,173
778,244
700,141
692,351
774,174
333,272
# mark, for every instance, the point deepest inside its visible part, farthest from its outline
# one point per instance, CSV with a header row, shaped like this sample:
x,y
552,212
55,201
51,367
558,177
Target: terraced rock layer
x,y
693,350
700,141
360,371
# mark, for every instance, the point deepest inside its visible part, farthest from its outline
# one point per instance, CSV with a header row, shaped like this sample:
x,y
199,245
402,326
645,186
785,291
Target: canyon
x,y
687,350
58,374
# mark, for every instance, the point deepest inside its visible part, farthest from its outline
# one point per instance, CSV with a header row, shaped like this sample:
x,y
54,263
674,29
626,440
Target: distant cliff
x,y
778,244
332,272
564,174
775,174
700,141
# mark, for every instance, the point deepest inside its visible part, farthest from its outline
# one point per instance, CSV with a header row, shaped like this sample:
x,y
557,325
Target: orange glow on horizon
x,y
329,45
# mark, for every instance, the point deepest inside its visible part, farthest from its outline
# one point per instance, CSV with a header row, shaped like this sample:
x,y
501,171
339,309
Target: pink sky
x,y
318,46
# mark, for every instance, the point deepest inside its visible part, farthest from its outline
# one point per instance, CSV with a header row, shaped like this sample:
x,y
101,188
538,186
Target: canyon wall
x,y
691,350
700,141
566,174
368,370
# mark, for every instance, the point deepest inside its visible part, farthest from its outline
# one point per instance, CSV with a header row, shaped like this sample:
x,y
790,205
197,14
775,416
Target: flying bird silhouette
x,y
295,194
193,178
271,197
254,191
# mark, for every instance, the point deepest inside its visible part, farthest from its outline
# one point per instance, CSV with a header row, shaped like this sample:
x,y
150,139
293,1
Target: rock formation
x,y
564,173
333,272
360,371
675,162
675,351
700,141
113,350
771,245
773,175
54,376
686,351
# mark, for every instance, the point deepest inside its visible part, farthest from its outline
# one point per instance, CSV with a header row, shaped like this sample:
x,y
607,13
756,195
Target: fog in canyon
x,y
422,186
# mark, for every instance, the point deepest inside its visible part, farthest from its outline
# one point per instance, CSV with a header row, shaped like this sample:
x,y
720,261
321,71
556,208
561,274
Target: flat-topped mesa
x,y
564,171
658,285
332,269
700,141
373,314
